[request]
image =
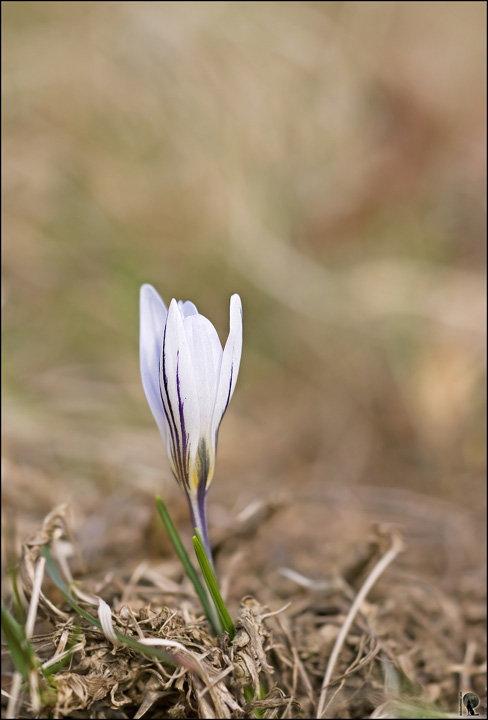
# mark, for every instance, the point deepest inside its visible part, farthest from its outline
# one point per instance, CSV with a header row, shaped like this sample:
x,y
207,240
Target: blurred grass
x,y
325,160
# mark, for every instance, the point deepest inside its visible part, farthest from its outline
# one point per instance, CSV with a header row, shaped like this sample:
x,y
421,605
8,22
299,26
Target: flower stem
x,y
200,589
199,519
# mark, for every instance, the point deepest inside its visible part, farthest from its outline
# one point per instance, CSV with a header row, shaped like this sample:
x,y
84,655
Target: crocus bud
x,y
188,380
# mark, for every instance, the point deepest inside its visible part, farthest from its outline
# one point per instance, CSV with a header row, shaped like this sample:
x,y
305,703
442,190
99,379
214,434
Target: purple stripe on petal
x,y
173,426
228,396
184,434
170,426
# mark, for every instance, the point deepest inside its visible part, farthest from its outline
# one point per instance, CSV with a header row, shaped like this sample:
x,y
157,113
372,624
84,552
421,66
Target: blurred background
x,y
325,160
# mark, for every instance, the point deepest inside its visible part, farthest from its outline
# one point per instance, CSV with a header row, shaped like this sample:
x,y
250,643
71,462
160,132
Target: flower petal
x,y
180,397
231,360
206,352
152,320
187,308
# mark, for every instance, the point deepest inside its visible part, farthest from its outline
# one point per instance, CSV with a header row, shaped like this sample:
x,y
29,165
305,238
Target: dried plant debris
x,y
408,650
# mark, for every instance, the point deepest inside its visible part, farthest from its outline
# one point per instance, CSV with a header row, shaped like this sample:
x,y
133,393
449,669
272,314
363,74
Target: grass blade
x,y
249,695
188,565
21,651
211,581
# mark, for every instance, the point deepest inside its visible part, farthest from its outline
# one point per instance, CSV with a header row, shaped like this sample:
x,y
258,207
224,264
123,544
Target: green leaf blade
x,y
211,582
21,650
188,565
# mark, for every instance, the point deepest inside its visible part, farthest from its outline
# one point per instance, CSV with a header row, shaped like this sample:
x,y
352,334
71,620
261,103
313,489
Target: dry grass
x,y
330,652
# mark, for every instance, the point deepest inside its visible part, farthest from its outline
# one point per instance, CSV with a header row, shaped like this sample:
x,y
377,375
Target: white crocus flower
x,y
188,380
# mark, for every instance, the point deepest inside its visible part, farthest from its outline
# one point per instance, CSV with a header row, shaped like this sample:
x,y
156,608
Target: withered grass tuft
x,y
389,662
